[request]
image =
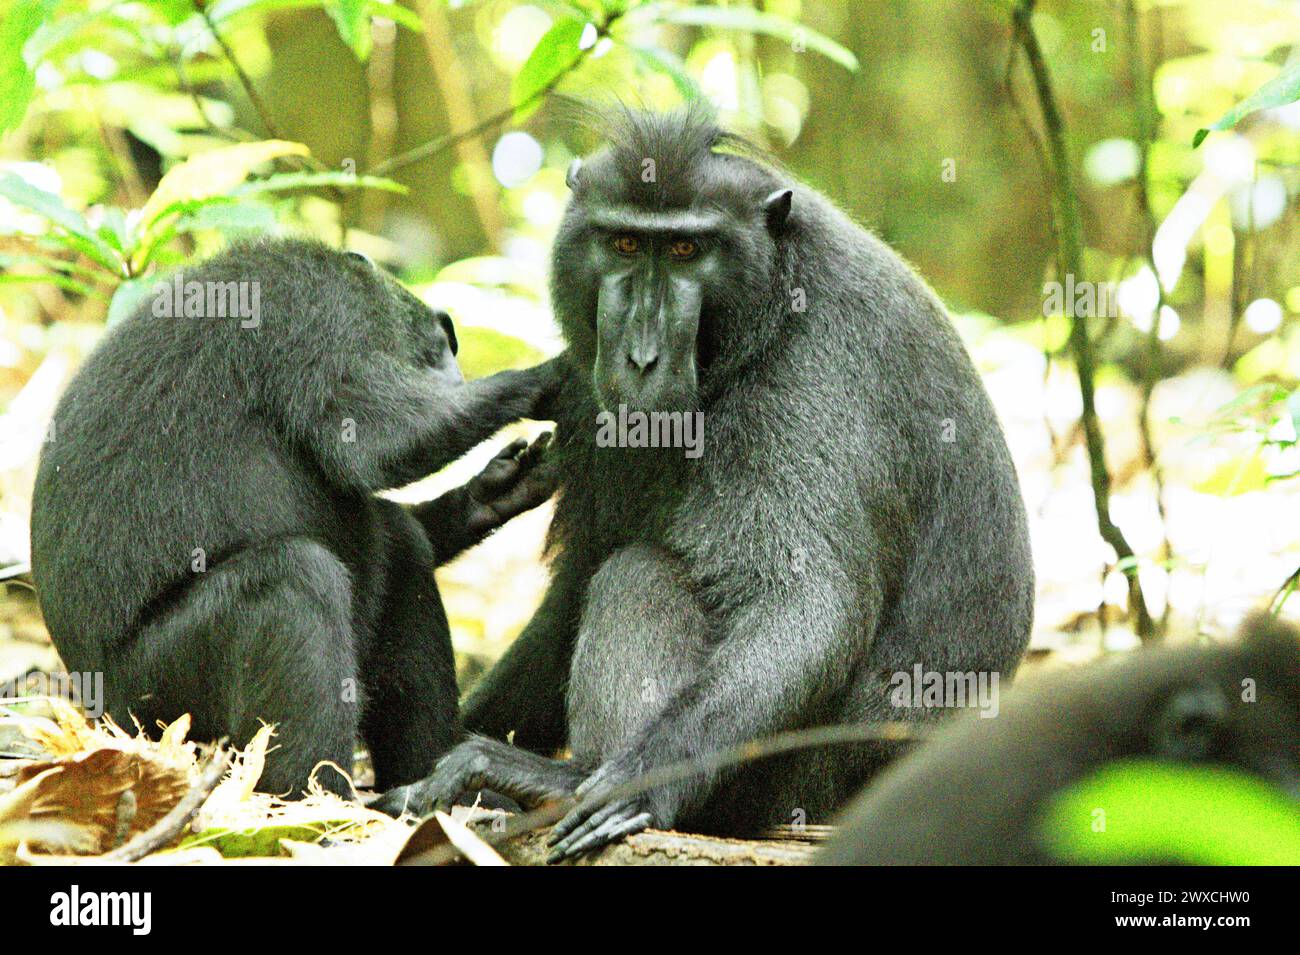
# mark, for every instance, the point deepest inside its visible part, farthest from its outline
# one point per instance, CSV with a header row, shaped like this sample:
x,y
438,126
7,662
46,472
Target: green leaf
x,y
50,263
114,231
353,23
1167,812
1279,91
662,61
52,278
1236,476
225,10
213,173
228,218
555,54
164,225
17,81
314,180
76,231
221,214
128,297
753,21
255,842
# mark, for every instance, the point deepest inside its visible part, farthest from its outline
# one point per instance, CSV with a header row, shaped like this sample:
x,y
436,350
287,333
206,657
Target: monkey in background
x,y
981,792
204,525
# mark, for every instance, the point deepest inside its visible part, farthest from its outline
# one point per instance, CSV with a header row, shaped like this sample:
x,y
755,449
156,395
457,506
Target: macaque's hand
x,y
603,815
520,477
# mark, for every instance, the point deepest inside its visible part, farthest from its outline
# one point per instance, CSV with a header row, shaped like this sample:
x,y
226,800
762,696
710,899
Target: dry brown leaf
x,y
239,784
63,733
468,841
17,827
431,832
114,792
172,743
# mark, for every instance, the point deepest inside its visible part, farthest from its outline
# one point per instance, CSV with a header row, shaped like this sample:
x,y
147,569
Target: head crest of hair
x,y
663,158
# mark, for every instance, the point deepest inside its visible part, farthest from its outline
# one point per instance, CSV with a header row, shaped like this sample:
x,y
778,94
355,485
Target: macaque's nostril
x,y
643,359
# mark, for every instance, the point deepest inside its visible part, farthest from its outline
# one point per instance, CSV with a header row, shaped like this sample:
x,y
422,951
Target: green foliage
x,y
555,54
564,46
353,24
259,841
71,227
751,21
125,299
351,17
1144,810
214,189
17,82
1279,91
184,202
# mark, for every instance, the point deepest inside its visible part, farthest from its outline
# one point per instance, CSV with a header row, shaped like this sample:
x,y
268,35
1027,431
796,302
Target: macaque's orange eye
x,y
683,249
626,245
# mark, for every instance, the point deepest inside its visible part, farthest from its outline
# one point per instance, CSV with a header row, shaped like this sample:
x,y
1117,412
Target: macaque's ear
x,y
776,208
571,177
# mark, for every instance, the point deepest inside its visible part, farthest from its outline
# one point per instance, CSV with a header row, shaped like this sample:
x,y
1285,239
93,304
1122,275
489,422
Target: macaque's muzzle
x,y
646,328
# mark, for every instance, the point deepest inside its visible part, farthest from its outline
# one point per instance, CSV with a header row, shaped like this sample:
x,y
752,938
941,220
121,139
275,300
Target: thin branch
x,y
441,144
165,831
244,80
1147,119
435,146
183,80
1026,124
888,732
1284,592
1070,254
1059,447
302,162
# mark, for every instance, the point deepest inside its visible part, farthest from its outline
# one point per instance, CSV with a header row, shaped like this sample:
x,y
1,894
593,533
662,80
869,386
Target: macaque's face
x,y
654,273
656,285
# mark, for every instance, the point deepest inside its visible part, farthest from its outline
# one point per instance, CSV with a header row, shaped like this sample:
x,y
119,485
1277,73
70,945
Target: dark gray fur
x,y
197,433
827,537
976,794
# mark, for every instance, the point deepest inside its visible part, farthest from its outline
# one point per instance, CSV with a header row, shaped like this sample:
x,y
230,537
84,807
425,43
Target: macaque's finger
x,y
534,488
501,471
618,826
596,828
537,449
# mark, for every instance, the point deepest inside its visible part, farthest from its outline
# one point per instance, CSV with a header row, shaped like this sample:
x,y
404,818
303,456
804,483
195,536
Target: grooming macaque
x,y
205,530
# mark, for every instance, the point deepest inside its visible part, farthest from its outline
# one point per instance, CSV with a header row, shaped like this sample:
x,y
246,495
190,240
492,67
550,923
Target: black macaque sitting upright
x,y
853,511
204,530
981,792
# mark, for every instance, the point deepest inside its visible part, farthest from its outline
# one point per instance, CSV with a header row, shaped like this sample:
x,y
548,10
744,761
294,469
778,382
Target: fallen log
x,y
654,847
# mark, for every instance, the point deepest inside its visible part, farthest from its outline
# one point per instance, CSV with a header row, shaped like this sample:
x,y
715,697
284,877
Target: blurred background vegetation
x,y
138,135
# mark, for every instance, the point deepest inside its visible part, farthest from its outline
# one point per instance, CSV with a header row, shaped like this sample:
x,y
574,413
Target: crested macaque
x,y
204,525
853,510
979,793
